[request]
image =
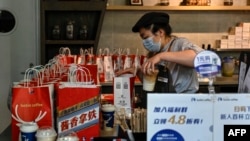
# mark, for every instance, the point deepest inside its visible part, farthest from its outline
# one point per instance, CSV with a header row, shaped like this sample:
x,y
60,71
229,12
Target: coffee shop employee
x,y
177,53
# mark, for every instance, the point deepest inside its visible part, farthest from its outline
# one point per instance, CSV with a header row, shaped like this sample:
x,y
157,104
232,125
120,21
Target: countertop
x,y
219,80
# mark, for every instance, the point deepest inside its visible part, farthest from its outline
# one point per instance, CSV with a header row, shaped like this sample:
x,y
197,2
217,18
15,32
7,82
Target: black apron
x,y
163,83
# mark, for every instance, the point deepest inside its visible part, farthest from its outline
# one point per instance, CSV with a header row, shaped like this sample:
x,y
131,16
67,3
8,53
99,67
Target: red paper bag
x,y
31,104
78,109
84,73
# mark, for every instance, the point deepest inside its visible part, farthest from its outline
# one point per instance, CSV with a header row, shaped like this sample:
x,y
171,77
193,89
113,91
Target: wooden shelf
x,y
73,6
177,8
69,42
232,49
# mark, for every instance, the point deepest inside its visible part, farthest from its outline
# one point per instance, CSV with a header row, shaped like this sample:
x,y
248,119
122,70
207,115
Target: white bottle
x,y
69,30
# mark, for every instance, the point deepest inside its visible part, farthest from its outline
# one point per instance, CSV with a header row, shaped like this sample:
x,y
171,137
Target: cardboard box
x,y
123,91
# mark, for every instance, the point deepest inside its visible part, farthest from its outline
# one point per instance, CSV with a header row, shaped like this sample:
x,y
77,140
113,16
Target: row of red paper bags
x,y
107,62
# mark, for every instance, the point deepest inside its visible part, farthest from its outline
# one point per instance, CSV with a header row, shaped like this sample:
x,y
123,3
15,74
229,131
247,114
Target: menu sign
x,y
231,117
198,117
179,117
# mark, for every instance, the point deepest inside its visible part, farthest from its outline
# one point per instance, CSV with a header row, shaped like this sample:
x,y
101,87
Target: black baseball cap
x,y
151,18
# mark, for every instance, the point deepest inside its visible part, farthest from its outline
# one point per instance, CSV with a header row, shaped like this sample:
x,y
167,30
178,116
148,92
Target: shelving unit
x,y
176,8
232,49
59,12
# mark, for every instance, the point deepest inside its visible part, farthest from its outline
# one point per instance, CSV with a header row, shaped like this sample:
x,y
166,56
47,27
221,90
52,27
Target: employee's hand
x,y
148,67
126,71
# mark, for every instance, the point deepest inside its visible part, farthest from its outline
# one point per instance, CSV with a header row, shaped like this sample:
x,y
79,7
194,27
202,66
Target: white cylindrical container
x,y
108,111
70,30
28,131
46,134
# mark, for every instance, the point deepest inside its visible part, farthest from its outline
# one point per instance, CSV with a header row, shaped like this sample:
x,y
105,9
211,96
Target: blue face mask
x,y
150,45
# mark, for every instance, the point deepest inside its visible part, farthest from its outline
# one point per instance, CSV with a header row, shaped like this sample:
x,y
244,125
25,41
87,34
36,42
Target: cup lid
x,y
108,107
28,127
68,136
46,131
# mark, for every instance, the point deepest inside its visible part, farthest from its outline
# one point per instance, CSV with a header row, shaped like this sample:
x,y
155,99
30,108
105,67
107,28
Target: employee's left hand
x,y
149,66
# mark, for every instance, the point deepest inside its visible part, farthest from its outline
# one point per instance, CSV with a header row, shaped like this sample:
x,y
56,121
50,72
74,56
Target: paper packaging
x,y
36,101
123,91
78,109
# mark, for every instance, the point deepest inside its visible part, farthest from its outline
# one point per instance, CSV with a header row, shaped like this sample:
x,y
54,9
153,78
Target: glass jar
x,y
69,30
83,32
56,32
228,66
228,2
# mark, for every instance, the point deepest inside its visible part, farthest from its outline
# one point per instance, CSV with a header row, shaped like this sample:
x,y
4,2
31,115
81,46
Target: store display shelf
x,y
70,42
177,8
232,49
74,6
220,80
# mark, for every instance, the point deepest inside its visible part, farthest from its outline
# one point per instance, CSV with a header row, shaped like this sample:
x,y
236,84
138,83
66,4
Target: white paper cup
x,y
68,136
28,131
108,111
46,134
149,81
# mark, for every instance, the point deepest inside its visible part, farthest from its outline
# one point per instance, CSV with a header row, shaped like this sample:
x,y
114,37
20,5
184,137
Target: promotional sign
x,y
207,64
179,117
231,117
78,109
123,90
198,117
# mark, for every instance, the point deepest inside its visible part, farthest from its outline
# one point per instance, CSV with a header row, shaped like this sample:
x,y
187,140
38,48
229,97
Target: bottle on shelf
x,y
228,2
56,32
83,32
208,2
203,46
209,47
70,30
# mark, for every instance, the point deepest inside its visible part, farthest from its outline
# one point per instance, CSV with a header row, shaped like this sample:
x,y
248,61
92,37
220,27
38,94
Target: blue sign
x,y
198,117
207,64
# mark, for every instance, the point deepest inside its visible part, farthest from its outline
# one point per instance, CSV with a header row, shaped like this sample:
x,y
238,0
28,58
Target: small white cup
x,y
46,134
28,131
68,136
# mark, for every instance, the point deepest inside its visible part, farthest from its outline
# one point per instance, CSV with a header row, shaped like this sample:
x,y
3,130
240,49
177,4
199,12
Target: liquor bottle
x,y
56,32
228,2
83,32
70,30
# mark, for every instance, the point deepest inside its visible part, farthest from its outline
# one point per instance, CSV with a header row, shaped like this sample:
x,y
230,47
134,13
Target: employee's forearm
x,y
185,57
